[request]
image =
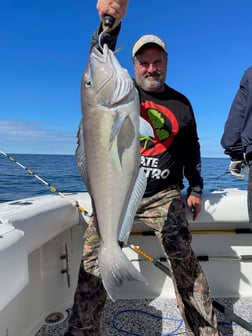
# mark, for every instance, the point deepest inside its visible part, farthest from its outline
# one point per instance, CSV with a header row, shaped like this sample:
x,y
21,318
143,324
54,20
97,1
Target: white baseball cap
x,y
148,39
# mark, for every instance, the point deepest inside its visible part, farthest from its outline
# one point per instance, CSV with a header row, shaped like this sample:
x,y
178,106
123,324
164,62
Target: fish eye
x,y
88,83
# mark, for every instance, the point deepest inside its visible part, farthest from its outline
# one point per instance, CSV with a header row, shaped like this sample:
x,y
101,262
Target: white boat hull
x,y
36,233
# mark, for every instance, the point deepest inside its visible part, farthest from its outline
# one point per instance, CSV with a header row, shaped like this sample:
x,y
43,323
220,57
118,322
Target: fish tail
x,y
115,269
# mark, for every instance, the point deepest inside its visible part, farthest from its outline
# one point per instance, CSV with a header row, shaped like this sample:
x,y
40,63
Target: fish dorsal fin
x,y
80,155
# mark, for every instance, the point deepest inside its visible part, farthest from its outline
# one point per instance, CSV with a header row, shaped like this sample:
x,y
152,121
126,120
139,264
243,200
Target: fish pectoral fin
x,y
135,199
127,134
123,131
145,128
122,137
116,127
115,269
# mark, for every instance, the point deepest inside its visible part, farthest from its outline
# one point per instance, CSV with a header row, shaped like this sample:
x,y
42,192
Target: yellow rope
x,y
51,187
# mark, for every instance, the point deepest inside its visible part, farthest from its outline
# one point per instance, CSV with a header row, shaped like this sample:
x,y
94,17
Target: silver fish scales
x,y
108,158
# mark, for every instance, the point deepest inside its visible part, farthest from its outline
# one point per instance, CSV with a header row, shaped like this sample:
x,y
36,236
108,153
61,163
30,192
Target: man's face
x,y
150,66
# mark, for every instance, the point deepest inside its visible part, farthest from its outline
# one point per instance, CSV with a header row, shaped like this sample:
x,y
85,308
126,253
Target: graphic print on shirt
x,y
165,126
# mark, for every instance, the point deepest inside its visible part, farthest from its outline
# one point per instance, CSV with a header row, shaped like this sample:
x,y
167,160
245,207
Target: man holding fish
x,y
109,155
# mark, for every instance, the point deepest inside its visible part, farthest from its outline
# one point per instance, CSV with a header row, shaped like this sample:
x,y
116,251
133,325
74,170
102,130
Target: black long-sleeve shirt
x,y
174,152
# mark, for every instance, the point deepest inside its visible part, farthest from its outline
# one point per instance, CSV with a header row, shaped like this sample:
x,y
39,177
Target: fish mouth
x,y
113,82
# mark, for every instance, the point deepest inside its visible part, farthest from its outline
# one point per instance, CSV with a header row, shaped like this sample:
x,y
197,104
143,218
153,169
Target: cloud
x,y
33,138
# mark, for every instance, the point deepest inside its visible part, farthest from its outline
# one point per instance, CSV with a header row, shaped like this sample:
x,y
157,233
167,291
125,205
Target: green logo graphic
x,y
158,123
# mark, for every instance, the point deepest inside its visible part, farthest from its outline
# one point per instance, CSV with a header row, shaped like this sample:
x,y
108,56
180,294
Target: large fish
x,y
108,158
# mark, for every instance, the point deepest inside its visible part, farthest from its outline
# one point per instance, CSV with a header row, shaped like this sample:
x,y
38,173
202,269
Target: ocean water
x,y
60,171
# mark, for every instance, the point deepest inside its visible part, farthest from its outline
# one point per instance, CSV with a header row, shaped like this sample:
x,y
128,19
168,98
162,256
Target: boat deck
x,y
48,256
143,317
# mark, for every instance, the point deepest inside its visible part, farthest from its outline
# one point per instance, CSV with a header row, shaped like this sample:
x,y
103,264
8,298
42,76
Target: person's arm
x,y
110,38
193,175
115,8
231,138
192,168
192,155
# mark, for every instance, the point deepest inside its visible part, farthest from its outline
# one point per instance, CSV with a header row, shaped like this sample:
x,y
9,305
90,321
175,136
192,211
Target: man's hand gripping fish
x,y
108,159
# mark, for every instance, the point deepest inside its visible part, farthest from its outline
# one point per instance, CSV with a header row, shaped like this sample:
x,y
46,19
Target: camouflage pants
x,y
165,214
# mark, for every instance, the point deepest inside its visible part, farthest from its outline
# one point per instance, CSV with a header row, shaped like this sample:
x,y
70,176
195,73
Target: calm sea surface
x,y
60,171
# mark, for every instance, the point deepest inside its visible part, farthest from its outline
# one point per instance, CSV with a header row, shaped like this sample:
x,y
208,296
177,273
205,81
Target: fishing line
x,y
223,174
108,23
51,187
218,178
228,172
100,37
